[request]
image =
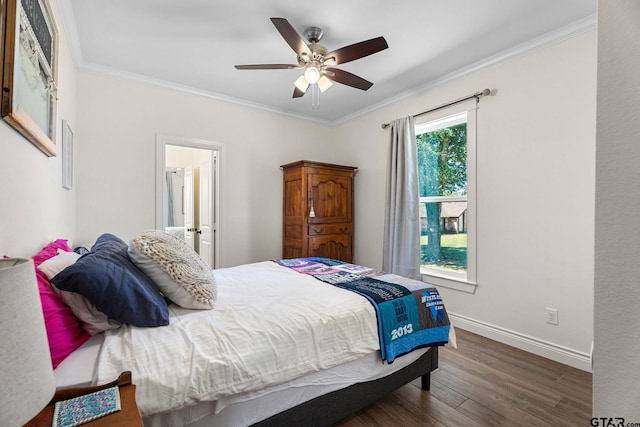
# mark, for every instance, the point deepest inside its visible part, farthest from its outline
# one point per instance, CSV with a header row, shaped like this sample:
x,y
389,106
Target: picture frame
x,y
29,51
67,156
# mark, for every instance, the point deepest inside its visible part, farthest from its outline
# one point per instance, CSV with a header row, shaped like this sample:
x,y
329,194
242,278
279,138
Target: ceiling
x,y
193,45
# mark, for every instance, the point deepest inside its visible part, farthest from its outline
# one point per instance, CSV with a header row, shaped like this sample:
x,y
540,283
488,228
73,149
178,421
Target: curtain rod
x,y
476,95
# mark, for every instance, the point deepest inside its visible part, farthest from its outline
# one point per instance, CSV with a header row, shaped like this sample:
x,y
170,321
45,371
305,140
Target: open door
x,y
205,228
201,162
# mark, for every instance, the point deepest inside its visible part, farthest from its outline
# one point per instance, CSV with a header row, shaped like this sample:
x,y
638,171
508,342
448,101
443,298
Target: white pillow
x,y
180,273
93,320
56,264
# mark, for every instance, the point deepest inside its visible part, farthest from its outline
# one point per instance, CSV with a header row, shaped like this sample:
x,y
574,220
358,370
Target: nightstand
x,y
128,416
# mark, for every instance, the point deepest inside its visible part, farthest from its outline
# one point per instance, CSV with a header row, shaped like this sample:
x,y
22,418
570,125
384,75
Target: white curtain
x,y
401,250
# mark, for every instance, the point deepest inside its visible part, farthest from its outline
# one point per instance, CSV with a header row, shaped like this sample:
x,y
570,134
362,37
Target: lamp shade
x,y
301,83
324,83
25,363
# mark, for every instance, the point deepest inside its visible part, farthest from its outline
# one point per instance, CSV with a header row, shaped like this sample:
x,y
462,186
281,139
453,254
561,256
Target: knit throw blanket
x,y
410,312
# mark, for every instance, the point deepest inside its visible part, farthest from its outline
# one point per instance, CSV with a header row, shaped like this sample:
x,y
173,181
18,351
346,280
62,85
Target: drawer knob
x,y
317,229
343,229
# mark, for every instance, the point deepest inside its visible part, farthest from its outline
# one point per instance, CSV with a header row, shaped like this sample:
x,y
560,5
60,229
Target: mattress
x,y
249,408
79,368
243,409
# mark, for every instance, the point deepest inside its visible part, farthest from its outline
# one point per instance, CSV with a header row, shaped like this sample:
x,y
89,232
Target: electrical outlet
x,y
552,316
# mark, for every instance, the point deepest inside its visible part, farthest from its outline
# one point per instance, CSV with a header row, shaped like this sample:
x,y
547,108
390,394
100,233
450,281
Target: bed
x,y
279,348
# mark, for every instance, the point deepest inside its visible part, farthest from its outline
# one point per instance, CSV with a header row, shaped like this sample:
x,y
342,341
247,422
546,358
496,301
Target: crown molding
x,y
567,32
562,34
150,81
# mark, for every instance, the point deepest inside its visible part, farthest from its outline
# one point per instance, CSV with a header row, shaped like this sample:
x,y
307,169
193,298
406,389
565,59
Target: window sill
x,y
462,285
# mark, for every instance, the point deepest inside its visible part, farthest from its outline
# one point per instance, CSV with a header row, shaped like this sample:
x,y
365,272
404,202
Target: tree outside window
x,y
442,177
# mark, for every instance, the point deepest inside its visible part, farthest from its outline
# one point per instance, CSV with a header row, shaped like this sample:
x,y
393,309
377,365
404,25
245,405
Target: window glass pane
x,y
442,161
442,174
443,240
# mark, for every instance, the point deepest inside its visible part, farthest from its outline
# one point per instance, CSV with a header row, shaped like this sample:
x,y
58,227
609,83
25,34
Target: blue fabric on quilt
x,y
107,277
410,313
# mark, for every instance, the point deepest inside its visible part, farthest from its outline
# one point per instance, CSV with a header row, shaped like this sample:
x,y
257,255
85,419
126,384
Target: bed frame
x,y
330,408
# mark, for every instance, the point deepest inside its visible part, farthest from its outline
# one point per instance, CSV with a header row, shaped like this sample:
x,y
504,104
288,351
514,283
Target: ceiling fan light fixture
x,y
324,83
301,83
312,73
317,63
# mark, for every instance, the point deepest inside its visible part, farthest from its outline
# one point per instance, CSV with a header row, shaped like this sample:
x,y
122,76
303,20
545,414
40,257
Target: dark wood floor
x,y
486,383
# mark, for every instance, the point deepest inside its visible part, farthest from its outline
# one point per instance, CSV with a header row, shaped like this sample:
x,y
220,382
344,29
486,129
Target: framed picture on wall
x,y
67,156
29,71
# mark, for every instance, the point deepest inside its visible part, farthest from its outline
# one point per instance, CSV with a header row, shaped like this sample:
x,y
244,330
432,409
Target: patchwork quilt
x,y
410,313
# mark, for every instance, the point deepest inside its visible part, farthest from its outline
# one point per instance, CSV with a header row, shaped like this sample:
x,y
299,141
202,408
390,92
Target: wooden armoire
x,y
318,210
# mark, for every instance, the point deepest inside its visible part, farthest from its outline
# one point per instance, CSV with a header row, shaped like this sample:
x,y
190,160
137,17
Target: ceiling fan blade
x,y
267,67
347,78
297,93
291,36
357,50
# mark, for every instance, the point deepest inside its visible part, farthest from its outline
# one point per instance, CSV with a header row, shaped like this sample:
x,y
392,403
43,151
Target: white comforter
x,y
269,325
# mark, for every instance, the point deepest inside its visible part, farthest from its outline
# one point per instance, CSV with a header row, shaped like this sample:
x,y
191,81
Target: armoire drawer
x,y
324,229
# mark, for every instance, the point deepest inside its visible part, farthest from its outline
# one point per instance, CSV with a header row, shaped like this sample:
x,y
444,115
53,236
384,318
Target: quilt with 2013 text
x,y
410,313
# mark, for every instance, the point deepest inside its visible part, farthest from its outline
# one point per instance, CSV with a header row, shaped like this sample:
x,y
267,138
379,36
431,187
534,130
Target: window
x,y
445,142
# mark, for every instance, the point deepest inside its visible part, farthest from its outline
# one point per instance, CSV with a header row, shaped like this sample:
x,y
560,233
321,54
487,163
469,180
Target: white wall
x,y
179,157
34,208
535,181
119,121
617,270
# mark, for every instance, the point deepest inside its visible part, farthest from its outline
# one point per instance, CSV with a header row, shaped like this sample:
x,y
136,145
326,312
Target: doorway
x,y
187,193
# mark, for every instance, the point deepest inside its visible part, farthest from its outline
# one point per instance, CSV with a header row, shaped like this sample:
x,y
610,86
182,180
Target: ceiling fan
x,y
317,62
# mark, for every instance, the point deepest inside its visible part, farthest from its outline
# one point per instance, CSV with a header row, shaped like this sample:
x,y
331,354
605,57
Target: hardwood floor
x,y
486,383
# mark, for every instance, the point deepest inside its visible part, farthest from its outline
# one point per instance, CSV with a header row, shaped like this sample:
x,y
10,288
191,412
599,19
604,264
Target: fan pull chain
x,y
315,97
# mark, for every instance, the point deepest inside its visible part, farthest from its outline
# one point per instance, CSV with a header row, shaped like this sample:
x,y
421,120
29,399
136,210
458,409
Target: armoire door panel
x,y
335,247
293,231
331,198
295,207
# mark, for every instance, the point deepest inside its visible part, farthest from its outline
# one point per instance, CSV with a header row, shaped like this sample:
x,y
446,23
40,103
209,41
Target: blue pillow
x,y
107,277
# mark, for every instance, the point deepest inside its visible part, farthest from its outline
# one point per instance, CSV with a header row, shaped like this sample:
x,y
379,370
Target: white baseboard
x,y
542,348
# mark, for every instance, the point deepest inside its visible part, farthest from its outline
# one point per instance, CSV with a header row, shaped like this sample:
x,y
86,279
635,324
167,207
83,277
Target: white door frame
x,y
161,162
